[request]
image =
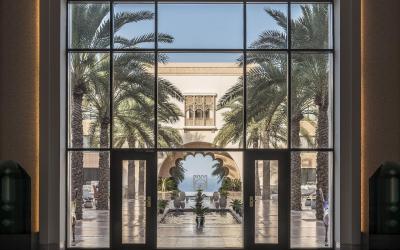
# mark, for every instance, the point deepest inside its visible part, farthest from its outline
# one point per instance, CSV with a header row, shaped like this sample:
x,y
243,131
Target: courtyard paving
x,y
181,232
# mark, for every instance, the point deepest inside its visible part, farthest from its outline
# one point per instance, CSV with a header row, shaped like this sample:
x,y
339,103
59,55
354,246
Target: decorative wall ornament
x,y
199,182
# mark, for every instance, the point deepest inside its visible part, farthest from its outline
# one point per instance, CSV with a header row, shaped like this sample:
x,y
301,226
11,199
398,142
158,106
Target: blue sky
x,y
199,165
203,25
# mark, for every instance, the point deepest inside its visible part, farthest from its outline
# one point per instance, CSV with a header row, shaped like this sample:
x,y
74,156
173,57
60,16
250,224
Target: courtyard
x,y
221,230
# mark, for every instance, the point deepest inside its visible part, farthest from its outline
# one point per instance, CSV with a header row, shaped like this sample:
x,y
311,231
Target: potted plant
x,y
223,198
162,204
174,194
236,205
199,209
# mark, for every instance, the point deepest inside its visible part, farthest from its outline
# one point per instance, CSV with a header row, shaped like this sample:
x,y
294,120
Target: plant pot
x,y
161,211
222,202
177,203
200,221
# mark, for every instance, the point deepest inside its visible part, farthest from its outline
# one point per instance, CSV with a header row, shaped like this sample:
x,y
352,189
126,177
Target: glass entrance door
x,y
267,210
133,200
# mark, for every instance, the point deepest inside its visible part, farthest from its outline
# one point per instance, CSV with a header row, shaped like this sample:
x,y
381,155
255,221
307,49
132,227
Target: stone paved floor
x,y
93,230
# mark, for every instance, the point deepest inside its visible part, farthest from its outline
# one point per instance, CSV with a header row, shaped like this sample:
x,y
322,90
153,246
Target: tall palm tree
x,y
308,87
266,110
133,101
133,86
88,34
311,31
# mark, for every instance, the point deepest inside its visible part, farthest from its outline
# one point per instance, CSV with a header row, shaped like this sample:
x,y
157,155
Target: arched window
x,y
199,114
189,114
208,114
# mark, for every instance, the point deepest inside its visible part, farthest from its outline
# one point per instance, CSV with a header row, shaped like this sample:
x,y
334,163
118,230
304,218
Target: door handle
x,y
251,201
148,201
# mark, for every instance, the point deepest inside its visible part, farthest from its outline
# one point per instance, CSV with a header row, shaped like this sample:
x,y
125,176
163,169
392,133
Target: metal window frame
x,y
288,50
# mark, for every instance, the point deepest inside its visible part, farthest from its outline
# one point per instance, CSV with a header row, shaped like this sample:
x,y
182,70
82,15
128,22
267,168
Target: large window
x,y
177,78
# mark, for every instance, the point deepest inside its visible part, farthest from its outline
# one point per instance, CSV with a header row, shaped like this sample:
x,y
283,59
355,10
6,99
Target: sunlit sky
x,y
199,165
216,26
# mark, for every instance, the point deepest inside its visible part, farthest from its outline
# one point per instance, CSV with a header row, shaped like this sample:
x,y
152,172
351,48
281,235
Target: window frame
x,y
53,130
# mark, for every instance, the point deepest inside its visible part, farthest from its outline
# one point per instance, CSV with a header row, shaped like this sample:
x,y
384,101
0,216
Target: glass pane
x,y
266,202
89,100
200,101
134,26
133,100
134,202
311,200
89,26
89,197
266,26
201,25
200,200
311,100
311,26
267,116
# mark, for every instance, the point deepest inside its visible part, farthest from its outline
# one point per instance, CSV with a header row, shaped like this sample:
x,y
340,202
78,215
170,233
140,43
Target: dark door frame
x,y
283,158
117,157
249,157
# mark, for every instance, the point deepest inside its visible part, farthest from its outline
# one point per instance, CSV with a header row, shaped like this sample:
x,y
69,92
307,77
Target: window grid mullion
x,y
111,140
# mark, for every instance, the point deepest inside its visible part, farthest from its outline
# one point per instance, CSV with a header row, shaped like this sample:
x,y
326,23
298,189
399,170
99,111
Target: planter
x,y
222,202
177,203
200,221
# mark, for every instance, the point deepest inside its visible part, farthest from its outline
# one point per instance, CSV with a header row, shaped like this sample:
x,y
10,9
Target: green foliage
x,y
174,194
226,184
199,209
236,185
236,204
178,171
224,193
267,82
133,80
220,170
166,184
229,184
162,204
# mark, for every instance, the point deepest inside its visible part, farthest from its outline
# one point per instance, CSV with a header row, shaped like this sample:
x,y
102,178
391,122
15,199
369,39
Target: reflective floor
x,y
178,232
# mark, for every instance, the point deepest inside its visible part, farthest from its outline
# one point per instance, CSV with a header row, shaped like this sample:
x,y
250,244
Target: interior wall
x,y
19,89
380,90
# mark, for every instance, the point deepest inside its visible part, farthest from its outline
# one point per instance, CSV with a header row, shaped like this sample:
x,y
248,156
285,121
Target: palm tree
x,y
133,86
133,101
266,110
177,172
220,170
310,31
88,31
133,115
309,86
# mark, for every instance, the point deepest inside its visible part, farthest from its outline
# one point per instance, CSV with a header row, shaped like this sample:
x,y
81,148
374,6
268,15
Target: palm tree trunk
x,y
131,174
102,201
266,190
131,180
266,194
142,169
295,170
257,174
77,156
322,137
